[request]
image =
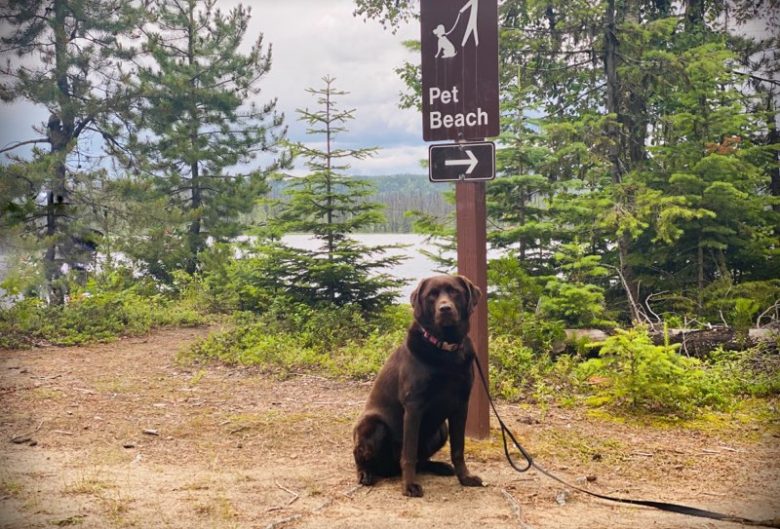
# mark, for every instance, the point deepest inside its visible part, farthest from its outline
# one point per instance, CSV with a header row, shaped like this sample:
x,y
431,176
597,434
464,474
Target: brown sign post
x,y
459,46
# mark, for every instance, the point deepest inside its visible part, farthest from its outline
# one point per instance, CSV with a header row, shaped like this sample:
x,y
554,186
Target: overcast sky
x,y
311,39
314,38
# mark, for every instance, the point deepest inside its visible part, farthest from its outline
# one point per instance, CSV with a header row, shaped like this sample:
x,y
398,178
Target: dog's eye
x,y
433,293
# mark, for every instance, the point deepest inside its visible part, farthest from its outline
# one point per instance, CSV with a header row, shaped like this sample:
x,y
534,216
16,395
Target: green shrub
x,y
340,340
21,324
518,372
633,373
739,303
253,345
110,305
754,372
511,366
361,359
576,304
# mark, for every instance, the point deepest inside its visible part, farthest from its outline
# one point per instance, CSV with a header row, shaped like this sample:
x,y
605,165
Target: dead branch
x,y
635,307
288,491
775,306
647,304
279,523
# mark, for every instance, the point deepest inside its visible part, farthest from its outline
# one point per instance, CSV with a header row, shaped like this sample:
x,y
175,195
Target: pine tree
x,y
654,150
332,206
68,58
198,135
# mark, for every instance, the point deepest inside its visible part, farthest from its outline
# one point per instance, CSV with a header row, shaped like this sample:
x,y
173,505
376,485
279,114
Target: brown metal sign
x,y
459,69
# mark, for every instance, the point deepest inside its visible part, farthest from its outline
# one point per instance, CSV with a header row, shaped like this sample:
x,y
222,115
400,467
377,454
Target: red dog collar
x,y
441,344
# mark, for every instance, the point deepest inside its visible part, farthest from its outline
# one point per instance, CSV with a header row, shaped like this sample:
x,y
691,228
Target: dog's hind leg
x,y
432,445
373,450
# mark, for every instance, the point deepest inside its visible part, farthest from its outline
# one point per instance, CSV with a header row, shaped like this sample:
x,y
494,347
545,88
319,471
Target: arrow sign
x,y
462,161
471,162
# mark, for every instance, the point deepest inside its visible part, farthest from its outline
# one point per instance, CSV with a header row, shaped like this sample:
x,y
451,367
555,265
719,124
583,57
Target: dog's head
x,y
444,303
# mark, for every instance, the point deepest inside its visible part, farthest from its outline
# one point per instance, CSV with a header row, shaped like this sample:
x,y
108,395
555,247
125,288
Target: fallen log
x,y
693,342
700,342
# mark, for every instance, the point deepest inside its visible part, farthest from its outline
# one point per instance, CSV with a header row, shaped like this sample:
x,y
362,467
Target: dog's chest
x,y
445,390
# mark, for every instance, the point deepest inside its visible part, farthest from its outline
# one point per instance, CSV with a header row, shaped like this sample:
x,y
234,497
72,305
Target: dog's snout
x,y
446,306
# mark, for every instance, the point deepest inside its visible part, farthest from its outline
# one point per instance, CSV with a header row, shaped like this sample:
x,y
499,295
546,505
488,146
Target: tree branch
x,y
19,144
757,77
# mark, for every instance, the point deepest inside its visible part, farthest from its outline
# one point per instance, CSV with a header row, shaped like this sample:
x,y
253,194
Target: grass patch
x,y
748,421
116,508
44,393
9,487
86,485
574,446
338,341
70,521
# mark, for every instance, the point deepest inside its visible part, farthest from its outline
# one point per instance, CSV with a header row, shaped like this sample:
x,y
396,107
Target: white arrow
x,y
471,162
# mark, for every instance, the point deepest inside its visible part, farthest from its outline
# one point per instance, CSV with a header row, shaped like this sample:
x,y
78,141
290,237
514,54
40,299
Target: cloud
x,y
311,39
325,39
394,160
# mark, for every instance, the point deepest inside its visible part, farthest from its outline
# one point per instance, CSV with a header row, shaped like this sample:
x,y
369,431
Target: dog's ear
x,y
473,293
414,299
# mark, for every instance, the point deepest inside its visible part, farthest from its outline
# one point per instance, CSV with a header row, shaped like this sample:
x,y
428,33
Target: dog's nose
x,y
445,307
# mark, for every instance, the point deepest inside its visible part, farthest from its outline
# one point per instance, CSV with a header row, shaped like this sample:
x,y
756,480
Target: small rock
x,y
128,445
597,457
20,439
561,497
590,478
33,442
151,432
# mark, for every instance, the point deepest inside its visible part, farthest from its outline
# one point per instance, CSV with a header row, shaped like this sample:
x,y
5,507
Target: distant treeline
x,y
399,194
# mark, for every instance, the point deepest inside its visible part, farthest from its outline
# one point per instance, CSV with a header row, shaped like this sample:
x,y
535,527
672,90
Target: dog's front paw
x,y
413,490
470,481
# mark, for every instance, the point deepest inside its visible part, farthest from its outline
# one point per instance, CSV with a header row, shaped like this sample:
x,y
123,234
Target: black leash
x,y
670,507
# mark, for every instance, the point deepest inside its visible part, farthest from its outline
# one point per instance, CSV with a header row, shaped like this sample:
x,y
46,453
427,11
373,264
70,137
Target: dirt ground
x,y
121,435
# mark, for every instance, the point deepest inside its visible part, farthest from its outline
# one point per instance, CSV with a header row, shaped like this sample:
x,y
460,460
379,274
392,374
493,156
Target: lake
x,y
415,266
411,270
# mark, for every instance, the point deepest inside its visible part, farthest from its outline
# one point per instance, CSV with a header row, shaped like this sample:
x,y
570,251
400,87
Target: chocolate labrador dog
x,y
422,389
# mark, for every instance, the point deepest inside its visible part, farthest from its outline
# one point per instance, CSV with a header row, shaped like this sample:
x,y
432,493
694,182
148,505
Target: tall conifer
x,y
332,206
66,56
200,131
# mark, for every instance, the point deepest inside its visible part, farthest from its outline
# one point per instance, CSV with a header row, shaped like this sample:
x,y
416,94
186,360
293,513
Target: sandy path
x,y
237,448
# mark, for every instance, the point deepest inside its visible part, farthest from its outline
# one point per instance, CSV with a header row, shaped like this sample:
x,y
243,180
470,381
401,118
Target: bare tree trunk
x,y
60,130
773,138
700,274
613,96
196,197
